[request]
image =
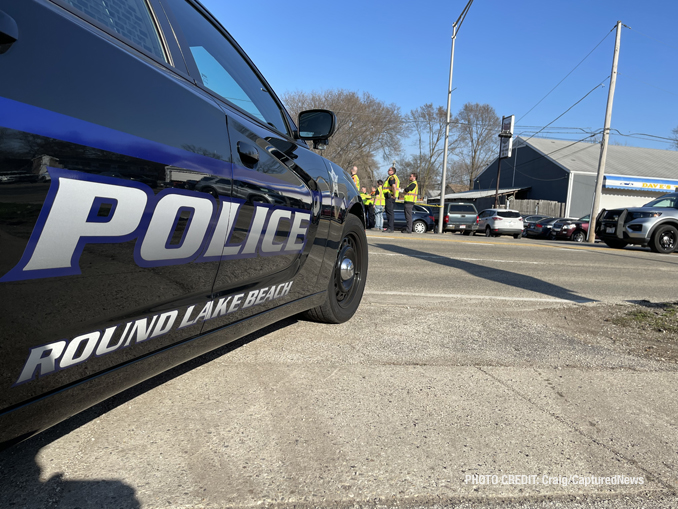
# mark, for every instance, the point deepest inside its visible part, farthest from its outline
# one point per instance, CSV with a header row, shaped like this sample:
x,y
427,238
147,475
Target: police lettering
x,y
46,359
70,220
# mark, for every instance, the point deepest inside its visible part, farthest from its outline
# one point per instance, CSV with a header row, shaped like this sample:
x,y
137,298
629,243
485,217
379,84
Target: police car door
x,y
105,242
275,198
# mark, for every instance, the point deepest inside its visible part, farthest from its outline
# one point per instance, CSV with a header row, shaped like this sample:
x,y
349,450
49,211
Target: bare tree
x,y
675,138
477,130
429,127
367,128
457,175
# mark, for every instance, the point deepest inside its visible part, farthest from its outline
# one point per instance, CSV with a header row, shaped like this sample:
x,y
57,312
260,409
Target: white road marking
x,y
482,297
459,258
524,262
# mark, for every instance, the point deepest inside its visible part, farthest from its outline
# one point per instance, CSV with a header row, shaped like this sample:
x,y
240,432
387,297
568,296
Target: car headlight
x,y
640,215
569,226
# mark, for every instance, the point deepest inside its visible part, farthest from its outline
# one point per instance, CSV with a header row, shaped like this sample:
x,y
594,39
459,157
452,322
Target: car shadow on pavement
x,y
505,277
21,485
20,472
633,250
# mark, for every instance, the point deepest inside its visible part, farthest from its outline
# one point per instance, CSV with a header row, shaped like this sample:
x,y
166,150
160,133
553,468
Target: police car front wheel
x,y
347,283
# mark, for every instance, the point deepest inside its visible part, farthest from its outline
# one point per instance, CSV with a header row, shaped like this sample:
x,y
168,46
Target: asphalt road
x,y
443,391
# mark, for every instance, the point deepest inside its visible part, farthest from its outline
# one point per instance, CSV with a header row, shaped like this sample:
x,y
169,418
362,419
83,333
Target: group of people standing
x,y
383,197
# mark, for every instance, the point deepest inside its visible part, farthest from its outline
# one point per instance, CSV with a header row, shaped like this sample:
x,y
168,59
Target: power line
x,y
671,140
549,154
575,67
456,122
649,37
580,100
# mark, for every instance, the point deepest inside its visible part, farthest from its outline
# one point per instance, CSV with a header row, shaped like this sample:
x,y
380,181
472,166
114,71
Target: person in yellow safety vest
x,y
391,190
411,193
378,197
354,176
369,206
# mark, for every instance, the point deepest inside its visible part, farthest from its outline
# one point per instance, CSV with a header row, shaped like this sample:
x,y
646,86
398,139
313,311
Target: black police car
x,y
120,261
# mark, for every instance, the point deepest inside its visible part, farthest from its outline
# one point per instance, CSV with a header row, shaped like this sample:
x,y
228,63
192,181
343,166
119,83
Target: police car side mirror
x,y
317,126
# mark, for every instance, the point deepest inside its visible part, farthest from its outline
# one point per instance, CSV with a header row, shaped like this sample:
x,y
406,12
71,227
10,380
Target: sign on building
x,y
506,137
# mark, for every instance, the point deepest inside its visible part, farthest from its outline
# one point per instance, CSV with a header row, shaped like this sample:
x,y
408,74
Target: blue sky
x,y
508,54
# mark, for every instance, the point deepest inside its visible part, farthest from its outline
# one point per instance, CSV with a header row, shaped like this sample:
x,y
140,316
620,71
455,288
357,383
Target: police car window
x,y
222,68
129,18
669,202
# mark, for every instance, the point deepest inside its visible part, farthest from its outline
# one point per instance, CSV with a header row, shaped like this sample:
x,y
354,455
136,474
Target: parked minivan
x,y
496,222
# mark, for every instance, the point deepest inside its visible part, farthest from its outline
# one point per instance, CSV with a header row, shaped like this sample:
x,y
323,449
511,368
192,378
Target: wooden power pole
x,y
591,238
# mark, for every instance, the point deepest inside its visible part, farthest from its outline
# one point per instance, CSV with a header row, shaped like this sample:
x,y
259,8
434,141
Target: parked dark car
x,y
108,278
434,210
575,230
654,225
542,229
530,221
422,220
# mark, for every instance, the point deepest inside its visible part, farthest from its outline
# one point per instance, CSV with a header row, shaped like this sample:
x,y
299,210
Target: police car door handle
x,y
249,155
9,32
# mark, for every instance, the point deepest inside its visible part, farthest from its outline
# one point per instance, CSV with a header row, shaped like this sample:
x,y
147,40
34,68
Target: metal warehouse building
x,y
565,171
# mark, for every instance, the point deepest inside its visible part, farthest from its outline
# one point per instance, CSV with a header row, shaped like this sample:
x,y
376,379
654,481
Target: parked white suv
x,y
496,222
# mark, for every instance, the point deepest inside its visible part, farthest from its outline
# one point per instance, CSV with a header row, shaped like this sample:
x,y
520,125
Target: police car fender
x,y
69,220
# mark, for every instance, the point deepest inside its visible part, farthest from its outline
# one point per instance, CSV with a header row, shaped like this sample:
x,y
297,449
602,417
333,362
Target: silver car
x,y
496,222
655,225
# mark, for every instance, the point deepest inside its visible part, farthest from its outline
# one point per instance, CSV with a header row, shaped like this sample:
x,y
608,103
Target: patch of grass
x,y
660,318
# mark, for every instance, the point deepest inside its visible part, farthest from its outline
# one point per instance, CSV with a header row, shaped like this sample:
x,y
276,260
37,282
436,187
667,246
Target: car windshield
x,y
548,221
669,202
508,213
587,217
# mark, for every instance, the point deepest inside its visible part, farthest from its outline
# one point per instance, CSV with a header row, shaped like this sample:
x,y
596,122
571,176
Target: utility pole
x,y
496,194
591,236
455,27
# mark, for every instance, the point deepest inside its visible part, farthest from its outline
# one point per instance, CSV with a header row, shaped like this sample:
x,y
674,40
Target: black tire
x,y
488,232
664,239
344,295
419,227
517,236
615,244
579,236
